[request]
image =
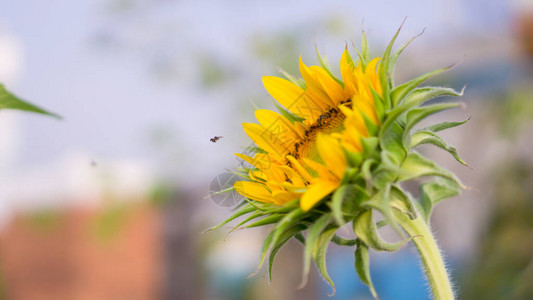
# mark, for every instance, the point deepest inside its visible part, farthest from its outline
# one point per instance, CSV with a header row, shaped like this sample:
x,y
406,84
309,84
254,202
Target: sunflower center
x,y
329,122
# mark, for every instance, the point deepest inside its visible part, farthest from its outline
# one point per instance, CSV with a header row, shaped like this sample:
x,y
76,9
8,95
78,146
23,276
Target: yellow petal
x,y
291,97
258,163
371,67
293,176
257,175
315,193
283,197
299,168
275,173
321,171
353,137
367,108
266,140
346,66
254,191
277,123
314,87
329,85
332,154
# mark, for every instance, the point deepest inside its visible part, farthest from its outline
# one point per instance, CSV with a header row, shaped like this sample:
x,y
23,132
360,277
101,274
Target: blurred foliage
x,y
162,194
10,101
504,266
46,220
279,49
213,72
514,111
109,223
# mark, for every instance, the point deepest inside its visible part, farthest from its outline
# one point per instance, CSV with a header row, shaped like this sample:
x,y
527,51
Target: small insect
x,y
215,138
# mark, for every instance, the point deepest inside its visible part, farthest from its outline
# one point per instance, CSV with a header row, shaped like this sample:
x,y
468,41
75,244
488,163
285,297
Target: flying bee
x,y
215,138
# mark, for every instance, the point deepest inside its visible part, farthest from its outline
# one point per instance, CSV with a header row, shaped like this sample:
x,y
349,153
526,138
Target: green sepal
x,y
365,228
428,137
369,144
394,59
242,173
226,190
401,91
274,218
274,235
384,72
273,208
270,208
433,192
253,149
264,250
372,128
387,170
366,172
251,217
392,133
364,56
319,253
337,240
313,233
300,238
287,114
391,140
10,101
240,205
324,63
349,175
417,97
362,266
416,166
284,238
378,102
288,220
354,159
415,115
403,202
346,200
243,211
298,81
444,125
382,201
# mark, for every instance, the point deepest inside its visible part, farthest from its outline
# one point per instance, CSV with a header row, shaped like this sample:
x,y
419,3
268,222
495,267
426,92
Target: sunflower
x,y
306,159
338,151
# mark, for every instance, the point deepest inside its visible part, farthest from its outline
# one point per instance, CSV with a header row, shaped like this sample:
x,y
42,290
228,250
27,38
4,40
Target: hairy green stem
x,y
429,253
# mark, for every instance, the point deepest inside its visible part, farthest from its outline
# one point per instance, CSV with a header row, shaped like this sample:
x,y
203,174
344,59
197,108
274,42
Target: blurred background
x,y
110,203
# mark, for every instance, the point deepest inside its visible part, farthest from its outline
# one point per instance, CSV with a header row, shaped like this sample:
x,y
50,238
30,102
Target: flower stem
x,y
430,255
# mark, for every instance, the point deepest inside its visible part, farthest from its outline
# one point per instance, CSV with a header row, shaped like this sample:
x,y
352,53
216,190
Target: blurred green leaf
x,y
285,237
444,125
313,233
366,229
10,101
428,137
362,266
416,166
346,199
435,191
319,253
